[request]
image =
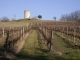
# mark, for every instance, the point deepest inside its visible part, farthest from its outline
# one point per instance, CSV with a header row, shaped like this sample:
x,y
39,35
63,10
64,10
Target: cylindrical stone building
x,y
26,14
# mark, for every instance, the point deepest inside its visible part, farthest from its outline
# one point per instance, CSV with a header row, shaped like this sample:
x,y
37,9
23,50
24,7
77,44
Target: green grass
x,y
32,51
68,52
21,22
32,20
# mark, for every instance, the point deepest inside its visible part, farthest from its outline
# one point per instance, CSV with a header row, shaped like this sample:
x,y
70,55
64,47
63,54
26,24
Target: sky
x,y
47,8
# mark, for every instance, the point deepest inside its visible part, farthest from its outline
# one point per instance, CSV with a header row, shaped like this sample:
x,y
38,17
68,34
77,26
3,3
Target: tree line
x,y
74,16
4,19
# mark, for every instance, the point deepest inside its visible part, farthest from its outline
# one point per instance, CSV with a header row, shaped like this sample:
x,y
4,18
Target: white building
x,y
26,14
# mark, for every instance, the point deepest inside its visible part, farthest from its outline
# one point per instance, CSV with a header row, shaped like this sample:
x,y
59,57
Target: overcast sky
x,y
47,8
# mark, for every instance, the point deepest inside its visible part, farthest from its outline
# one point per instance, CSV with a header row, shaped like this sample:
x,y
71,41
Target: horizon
x,y
48,9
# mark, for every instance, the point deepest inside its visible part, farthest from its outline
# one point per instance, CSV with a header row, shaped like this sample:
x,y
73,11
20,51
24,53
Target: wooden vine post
x,y
23,31
74,34
43,29
3,31
12,36
46,32
63,31
52,34
67,30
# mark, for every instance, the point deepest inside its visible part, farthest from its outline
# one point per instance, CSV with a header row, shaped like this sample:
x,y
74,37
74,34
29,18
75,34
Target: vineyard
x,y
49,38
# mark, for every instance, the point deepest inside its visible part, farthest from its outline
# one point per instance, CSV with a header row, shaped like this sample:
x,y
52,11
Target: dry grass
x,y
13,24
19,23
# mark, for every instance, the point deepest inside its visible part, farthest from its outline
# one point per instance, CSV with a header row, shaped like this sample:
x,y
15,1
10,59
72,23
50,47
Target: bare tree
x,y
63,18
5,19
77,15
74,16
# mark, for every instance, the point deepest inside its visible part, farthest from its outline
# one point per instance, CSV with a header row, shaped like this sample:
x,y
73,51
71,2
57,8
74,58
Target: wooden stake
x,y
74,34
23,31
52,34
67,30
3,31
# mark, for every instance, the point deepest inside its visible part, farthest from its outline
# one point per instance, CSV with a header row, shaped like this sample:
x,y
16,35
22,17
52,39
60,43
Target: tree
x,y
74,16
5,19
39,16
54,18
62,18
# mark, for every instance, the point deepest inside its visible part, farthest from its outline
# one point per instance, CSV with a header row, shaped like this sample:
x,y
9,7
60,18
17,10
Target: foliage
x,y
39,16
54,18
